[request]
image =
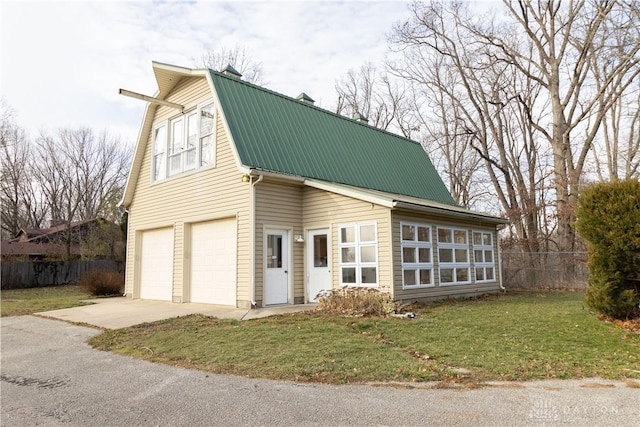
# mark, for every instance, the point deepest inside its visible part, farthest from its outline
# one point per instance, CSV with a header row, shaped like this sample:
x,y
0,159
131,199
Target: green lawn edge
x,y
513,337
20,302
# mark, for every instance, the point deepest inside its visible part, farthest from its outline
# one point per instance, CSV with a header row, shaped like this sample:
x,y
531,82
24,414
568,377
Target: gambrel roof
x,y
275,133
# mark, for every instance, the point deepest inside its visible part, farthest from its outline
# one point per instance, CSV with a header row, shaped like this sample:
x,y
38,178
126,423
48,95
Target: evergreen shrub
x,y
609,220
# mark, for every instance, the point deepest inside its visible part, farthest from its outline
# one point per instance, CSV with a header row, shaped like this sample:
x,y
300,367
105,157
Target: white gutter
x,y
502,288
252,238
451,211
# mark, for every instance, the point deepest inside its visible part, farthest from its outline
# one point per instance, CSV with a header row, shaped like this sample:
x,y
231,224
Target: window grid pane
x,y
483,256
359,254
408,232
417,263
453,255
367,233
424,255
184,143
425,276
409,255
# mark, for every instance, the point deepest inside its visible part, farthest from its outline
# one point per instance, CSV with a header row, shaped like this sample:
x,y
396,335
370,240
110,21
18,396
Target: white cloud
x,y
63,62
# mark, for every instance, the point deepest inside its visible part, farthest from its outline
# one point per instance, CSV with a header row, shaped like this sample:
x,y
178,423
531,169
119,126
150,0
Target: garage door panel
x,y
156,264
213,262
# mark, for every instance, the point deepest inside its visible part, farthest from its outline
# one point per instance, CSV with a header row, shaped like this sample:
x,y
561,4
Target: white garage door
x,y
213,262
156,264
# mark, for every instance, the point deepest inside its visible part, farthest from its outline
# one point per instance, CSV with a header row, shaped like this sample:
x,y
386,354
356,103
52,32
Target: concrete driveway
x,y
120,312
51,377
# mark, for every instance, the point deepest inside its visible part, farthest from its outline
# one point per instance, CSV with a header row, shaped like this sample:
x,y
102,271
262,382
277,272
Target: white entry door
x,y
276,275
318,267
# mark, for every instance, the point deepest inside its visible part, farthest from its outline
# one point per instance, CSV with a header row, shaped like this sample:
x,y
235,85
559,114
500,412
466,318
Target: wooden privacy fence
x,y
29,274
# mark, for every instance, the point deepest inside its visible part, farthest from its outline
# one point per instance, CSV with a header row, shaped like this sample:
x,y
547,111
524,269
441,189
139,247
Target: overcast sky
x,y
63,62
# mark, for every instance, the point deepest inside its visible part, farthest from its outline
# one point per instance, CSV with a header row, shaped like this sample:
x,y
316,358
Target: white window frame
x,y
159,151
483,248
455,264
202,136
415,244
185,158
358,264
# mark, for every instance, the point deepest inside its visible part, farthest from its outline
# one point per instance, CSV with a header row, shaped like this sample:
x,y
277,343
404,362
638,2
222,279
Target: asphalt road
x,y
51,377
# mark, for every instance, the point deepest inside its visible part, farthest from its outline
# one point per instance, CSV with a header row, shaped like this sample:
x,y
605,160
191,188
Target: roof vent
x,y
303,97
231,72
360,118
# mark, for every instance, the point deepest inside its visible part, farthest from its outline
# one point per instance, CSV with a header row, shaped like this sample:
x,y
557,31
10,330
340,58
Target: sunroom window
x,y
453,256
184,143
358,254
483,258
417,257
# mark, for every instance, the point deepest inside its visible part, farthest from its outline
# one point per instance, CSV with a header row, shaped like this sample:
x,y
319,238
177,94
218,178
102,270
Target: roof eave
x,y
437,208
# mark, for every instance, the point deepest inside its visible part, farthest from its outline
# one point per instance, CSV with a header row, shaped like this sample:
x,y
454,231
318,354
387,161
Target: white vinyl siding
x,y
279,206
453,256
215,193
417,255
483,258
325,209
358,254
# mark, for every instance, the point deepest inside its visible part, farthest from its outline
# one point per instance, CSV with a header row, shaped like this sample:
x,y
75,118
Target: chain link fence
x,y
544,270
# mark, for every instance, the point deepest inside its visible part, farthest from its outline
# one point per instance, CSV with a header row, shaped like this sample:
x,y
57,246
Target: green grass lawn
x,y
518,336
17,302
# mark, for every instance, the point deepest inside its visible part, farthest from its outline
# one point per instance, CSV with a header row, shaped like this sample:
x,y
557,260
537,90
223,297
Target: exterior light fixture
x,y
246,178
298,238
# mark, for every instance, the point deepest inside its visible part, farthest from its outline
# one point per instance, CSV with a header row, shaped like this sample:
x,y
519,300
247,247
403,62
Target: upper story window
x,y
453,256
359,254
483,256
184,143
417,258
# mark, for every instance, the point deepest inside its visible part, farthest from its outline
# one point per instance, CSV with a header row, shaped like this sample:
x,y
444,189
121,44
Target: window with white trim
x,y
453,256
417,255
483,256
359,254
159,151
184,143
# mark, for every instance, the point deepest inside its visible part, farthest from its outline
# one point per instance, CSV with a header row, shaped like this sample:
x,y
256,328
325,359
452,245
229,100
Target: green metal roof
x,y
276,133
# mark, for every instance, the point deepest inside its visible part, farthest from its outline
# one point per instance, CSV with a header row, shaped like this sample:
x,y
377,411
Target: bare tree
x,y
81,174
543,48
383,101
218,58
477,109
440,128
567,37
21,206
617,150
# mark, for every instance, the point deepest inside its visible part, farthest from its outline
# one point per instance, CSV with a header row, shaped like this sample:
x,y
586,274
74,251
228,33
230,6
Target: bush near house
x,y
102,283
609,220
353,301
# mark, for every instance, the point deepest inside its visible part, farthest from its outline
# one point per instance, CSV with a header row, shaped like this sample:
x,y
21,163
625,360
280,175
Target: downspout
x,y
126,249
252,239
502,288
